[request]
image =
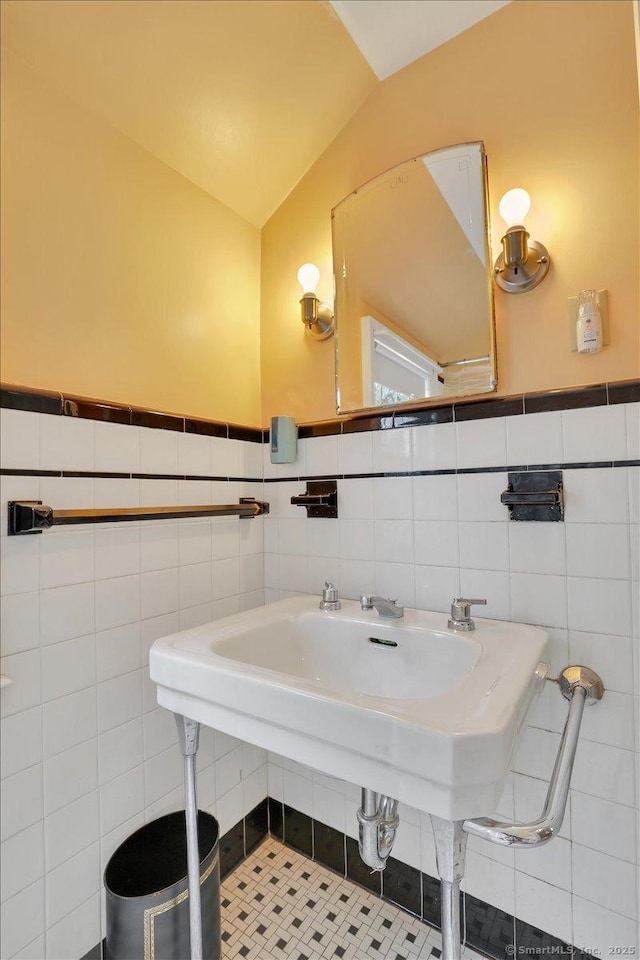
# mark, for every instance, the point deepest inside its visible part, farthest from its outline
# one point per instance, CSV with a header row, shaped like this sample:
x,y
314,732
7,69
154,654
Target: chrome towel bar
x,y
32,516
580,686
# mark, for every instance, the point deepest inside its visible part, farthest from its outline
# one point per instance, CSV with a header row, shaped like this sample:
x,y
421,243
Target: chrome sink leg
x,y
451,843
188,737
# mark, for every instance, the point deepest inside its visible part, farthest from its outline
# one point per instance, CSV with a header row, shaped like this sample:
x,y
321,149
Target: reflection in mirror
x,y
414,306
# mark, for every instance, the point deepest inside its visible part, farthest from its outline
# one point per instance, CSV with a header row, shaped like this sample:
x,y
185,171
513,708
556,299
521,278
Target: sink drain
x,y
383,643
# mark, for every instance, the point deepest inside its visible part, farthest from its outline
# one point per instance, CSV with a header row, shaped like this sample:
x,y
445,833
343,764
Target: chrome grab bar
x,y
580,686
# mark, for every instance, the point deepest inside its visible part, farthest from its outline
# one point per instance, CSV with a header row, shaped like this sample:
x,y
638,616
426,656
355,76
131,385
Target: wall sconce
x,y
316,316
523,263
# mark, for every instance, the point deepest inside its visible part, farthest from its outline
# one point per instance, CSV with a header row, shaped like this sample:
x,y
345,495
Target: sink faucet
x,y
460,618
388,609
330,599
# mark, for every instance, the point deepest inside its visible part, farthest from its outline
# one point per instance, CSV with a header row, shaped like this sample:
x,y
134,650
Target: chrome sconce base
x,y
317,317
523,263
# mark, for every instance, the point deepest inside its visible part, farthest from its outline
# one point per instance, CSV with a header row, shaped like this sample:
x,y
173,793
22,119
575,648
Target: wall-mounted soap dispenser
x,y
284,440
589,325
589,321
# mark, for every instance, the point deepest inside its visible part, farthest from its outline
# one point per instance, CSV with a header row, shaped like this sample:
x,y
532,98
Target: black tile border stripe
x,y
105,475
626,391
461,410
500,407
398,474
17,398
461,471
595,396
89,410
84,408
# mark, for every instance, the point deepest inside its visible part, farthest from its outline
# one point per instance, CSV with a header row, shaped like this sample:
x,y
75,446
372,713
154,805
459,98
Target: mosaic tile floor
x,y
277,904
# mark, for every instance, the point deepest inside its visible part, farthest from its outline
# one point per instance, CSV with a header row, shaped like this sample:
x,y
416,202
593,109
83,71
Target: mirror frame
x,y
443,399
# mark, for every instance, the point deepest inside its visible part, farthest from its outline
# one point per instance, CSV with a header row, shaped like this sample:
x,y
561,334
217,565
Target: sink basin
x,y
406,707
355,656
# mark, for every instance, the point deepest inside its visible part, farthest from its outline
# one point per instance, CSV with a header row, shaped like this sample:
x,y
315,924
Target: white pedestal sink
x,y
407,707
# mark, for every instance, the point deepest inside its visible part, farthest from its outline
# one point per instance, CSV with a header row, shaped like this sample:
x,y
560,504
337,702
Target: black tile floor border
x,y
232,851
298,830
489,929
402,885
256,826
359,872
97,952
238,842
536,943
276,818
431,901
329,847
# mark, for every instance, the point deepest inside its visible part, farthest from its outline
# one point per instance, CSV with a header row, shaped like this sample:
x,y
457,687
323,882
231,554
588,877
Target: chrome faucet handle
x,y
366,601
460,618
330,600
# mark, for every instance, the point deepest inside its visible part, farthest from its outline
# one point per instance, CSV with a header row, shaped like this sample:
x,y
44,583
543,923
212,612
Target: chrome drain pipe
x,y
378,821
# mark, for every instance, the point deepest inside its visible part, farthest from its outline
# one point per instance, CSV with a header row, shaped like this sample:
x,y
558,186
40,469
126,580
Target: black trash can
x,y
148,895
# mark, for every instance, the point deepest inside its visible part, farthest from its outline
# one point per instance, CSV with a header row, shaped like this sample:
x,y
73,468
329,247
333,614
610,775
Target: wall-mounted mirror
x,y
414,302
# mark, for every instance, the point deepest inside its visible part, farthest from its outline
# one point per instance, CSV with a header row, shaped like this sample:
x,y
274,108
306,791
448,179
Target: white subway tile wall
x,y
87,756
425,539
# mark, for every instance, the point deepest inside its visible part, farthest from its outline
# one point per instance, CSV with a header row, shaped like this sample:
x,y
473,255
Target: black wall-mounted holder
x,y
535,495
321,498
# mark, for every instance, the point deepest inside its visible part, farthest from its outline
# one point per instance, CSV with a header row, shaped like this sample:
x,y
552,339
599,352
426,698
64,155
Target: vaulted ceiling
x,y
393,33
239,96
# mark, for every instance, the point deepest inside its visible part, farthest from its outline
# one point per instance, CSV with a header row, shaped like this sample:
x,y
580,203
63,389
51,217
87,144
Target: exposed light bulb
x,y
514,207
308,277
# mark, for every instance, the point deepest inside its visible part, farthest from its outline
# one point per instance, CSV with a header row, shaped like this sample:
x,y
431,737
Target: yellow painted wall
x,y
121,279
551,88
